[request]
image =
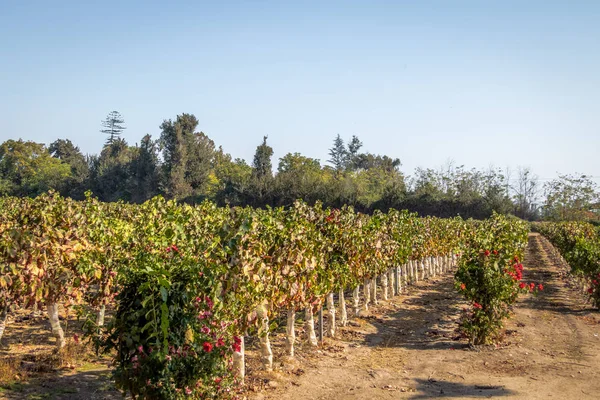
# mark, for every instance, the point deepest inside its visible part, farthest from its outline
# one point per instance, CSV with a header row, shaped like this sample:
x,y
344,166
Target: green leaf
x,y
164,324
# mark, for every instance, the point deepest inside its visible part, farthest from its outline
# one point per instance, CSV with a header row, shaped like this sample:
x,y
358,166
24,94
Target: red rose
x,y
522,285
486,253
220,342
477,305
540,287
495,252
590,290
207,347
463,286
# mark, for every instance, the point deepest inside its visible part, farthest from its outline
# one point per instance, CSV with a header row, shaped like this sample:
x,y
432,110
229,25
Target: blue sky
x,y
506,83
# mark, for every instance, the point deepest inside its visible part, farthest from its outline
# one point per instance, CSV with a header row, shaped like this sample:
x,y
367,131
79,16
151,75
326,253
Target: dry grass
x,y
9,371
18,367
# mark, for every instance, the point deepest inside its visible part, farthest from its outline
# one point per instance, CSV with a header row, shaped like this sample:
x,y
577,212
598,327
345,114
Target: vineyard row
x,y
185,283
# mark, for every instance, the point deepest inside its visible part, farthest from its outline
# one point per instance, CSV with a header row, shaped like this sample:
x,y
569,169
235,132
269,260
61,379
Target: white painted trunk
x,y
55,324
266,354
239,364
290,330
415,269
3,318
416,272
367,294
384,285
392,282
405,274
310,326
418,267
343,312
356,299
400,279
36,310
100,316
374,290
331,314
411,272
423,269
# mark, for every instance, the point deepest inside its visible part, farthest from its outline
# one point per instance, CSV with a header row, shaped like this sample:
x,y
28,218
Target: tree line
x,y
183,163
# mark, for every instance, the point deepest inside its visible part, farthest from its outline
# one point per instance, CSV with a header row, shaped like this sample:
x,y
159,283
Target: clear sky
x,y
480,82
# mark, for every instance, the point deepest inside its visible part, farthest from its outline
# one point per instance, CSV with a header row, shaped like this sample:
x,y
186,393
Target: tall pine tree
x,y
338,154
113,126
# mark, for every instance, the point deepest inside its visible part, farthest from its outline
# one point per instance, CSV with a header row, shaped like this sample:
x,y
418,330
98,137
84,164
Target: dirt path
x,y
409,349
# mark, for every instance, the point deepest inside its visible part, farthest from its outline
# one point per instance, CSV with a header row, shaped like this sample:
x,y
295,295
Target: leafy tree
x,y
110,171
113,126
378,185
262,160
352,155
299,177
525,193
66,151
297,162
260,188
188,159
144,179
201,153
571,197
28,169
427,183
230,179
368,161
175,139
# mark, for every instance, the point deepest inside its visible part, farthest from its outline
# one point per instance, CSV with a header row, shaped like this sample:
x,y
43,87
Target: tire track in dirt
x,y
408,348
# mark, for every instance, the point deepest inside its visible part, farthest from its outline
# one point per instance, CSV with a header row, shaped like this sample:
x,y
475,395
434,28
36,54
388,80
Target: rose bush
x,y
489,275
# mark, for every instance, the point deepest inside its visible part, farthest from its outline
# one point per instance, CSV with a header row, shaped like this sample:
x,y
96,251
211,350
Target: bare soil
x,y
30,368
408,347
